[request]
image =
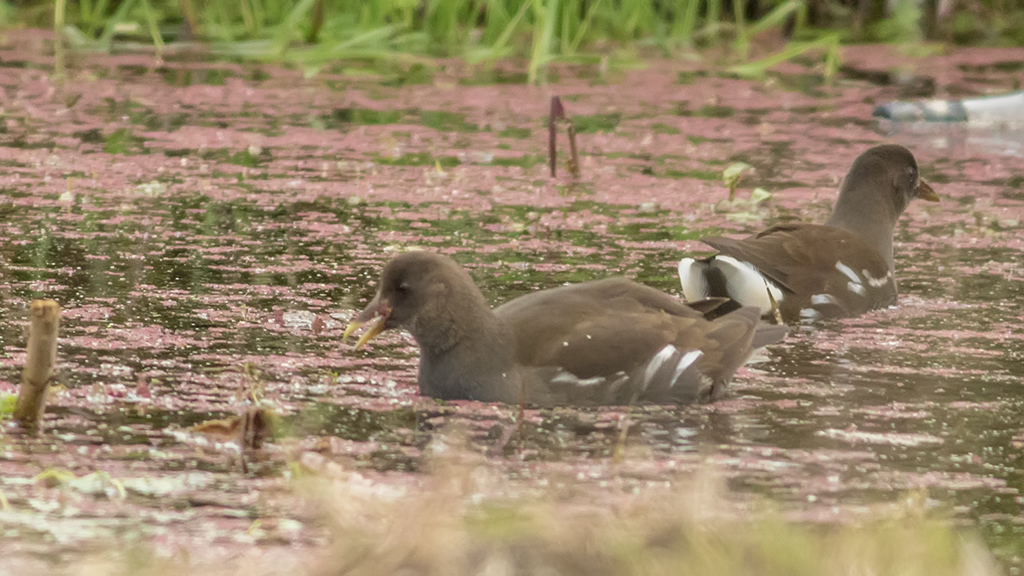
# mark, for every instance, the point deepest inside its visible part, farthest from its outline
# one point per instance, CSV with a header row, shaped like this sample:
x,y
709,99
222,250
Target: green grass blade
x,y
713,13
366,38
287,30
688,23
584,26
59,14
96,17
499,48
742,39
116,19
544,32
154,29
794,49
775,18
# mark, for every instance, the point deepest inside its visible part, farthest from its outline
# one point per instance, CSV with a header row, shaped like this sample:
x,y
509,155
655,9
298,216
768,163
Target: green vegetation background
x,y
538,31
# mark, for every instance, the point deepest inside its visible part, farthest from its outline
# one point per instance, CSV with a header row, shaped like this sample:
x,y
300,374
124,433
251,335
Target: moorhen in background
x,y
812,271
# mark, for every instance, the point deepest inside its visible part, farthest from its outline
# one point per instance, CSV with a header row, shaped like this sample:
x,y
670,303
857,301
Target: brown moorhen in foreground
x,y
812,271
607,342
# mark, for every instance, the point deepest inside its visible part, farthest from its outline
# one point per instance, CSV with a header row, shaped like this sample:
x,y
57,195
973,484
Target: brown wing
x,y
615,325
801,259
595,328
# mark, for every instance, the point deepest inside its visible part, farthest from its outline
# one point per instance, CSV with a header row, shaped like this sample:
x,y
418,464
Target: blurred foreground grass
x,y
465,517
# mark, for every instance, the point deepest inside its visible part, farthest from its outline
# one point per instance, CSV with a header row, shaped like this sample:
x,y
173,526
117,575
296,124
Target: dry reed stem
x,y
44,319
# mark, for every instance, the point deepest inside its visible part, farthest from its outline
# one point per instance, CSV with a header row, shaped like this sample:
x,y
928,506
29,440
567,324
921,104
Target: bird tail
x,y
738,334
725,276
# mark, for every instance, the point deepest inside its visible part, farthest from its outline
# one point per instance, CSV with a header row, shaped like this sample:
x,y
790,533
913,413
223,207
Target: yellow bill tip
x,y
352,327
926,192
372,332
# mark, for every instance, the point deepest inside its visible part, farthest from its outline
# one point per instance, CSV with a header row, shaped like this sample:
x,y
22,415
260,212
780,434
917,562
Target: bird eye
x,y
403,287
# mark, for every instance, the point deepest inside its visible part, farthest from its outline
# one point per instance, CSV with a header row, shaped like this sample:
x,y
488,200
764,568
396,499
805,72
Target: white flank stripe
x,y
655,364
823,300
566,377
809,314
622,379
685,362
848,272
877,282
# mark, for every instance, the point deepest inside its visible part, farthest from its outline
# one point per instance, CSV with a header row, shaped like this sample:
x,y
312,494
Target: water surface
x,y
209,228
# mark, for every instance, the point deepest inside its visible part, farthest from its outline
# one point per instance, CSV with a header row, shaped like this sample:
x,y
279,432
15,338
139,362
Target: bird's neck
x,y
467,352
461,317
873,222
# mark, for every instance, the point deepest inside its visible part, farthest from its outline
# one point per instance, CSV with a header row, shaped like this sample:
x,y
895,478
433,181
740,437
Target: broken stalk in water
x,y
558,115
42,355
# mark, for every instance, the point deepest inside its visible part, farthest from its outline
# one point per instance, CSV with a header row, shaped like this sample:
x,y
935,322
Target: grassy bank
x,y
483,31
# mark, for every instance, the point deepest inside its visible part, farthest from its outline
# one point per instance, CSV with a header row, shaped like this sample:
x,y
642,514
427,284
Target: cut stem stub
x,y
44,319
557,117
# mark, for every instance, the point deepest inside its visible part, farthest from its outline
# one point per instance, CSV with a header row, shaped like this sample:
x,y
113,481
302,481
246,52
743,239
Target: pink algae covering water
x,y
208,229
